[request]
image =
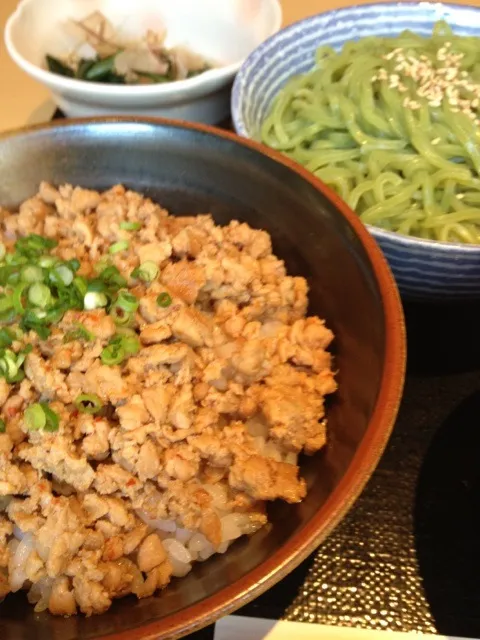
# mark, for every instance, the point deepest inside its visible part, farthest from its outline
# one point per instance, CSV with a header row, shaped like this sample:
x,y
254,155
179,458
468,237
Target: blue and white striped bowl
x,y
423,269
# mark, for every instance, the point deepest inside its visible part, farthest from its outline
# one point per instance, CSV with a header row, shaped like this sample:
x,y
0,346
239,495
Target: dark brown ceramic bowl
x,y
192,169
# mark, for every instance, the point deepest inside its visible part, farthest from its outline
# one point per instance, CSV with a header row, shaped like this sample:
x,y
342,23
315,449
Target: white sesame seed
x,y
436,140
434,83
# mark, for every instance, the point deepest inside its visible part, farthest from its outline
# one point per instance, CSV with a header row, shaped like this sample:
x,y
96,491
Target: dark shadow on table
x,y
447,521
442,339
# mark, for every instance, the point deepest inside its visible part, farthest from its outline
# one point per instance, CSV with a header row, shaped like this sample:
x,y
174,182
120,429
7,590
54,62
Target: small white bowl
x,y
224,31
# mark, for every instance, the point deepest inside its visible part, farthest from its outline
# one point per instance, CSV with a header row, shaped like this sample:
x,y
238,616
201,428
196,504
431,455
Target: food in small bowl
x,y
189,315
100,55
178,59
390,119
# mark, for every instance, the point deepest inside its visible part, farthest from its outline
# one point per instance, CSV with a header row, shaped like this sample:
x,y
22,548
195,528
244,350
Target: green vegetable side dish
x,y
393,126
110,61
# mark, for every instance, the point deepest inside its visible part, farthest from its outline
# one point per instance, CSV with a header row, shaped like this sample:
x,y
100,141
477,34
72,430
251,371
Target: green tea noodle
x,y
392,125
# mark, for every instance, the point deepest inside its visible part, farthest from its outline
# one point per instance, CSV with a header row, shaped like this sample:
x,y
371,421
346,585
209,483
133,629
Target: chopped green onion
x,y
79,333
15,259
94,300
147,271
54,315
128,340
39,295
74,264
5,273
3,426
96,286
61,275
42,331
81,285
18,377
39,416
6,302
13,279
6,337
35,417
123,331
53,420
112,277
47,262
120,316
131,345
11,363
113,354
127,301
31,273
17,297
33,245
88,403
118,246
130,226
37,315
7,317
121,346
164,300
102,264
8,364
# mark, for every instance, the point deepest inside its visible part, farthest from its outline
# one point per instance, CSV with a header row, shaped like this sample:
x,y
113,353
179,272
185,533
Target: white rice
x,y
19,553
199,547
39,593
184,547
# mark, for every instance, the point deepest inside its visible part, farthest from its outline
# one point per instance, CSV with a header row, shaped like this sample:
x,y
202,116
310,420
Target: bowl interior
x,y
292,50
225,32
194,171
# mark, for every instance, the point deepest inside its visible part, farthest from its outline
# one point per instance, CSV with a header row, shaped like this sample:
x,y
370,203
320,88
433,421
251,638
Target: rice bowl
x,y
207,171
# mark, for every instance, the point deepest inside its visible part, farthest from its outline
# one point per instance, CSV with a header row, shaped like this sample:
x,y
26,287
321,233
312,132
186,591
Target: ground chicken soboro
x,y
193,432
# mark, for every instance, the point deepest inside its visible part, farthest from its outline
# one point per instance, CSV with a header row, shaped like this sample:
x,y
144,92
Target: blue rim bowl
x,y
424,269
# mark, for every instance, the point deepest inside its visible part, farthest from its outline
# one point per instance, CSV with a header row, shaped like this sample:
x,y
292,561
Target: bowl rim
x,y
368,454
92,89
411,242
